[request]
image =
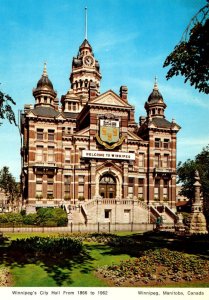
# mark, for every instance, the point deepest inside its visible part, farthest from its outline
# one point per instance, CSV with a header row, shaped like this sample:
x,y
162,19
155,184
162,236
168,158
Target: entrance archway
x,y
107,186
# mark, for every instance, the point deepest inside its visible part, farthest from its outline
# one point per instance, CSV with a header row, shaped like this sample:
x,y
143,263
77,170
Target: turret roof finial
x,y
45,70
86,27
155,83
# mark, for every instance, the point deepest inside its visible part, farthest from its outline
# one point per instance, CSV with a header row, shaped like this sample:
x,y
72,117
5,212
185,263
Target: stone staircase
x,y
93,211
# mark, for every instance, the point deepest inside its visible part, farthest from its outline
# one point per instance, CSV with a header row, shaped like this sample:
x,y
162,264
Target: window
x,y
130,191
81,186
157,160
40,134
141,188
81,179
107,213
127,216
39,153
50,186
67,187
165,189
50,154
157,189
74,106
131,180
130,187
141,159
51,134
80,155
166,143
166,160
39,180
80,191
157,143
67,154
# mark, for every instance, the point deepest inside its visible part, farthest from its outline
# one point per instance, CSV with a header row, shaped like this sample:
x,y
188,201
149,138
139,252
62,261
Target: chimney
x,y
124,93
56,103
142,120
92,91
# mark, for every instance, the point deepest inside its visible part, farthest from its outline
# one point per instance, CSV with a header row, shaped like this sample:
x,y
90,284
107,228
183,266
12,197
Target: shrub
x,y
11,218
30,219
46,246
51,217
3,219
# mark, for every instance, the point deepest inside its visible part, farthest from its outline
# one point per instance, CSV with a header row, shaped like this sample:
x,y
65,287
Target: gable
x,y
83,132
110,98
133,136
60,117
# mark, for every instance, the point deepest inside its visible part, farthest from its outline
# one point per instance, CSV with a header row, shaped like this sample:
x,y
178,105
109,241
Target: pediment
x,y
176,127
83,132
133,136
60,117
30,114
110,98
151,125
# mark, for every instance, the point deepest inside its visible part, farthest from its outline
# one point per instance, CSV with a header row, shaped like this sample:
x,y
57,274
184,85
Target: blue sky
x,y
130,38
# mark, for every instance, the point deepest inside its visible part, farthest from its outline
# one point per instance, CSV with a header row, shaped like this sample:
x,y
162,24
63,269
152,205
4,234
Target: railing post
x,y
98,227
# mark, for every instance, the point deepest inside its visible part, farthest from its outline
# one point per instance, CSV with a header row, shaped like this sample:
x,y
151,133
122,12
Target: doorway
x,y
107,186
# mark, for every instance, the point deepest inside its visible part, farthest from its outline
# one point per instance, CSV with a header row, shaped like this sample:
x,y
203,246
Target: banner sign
x,y
108,155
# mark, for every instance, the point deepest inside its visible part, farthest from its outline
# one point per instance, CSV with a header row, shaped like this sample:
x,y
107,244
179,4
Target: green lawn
x,y
80,271
75,273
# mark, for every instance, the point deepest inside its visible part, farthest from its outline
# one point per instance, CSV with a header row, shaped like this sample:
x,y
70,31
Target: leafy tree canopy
x,y
186,175
6,108
8,184
190,57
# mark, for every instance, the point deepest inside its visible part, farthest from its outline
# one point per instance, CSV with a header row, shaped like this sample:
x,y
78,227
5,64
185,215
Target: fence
x,y
80,227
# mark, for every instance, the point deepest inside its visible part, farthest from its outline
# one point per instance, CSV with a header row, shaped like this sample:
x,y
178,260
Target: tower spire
x,y
45,70
86,24
155,83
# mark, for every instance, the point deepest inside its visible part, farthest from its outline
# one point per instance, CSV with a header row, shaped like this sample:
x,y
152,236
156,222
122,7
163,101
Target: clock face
x,y
88,60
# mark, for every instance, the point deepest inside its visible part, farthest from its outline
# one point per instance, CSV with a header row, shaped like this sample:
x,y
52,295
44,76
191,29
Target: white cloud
x,y
107,40
184,96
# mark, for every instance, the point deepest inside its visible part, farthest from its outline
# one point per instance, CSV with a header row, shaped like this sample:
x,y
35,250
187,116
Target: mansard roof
x,y
44,111
70,115
161,122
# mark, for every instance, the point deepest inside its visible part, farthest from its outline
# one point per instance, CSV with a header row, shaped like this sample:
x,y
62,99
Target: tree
x,y
190,57
186,175
9,185
6,109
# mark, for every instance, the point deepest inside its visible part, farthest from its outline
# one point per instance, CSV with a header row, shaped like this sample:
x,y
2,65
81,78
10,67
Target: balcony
x,y
46,167
162,170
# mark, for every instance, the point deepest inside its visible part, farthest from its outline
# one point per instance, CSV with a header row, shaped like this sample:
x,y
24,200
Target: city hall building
x,y
88,154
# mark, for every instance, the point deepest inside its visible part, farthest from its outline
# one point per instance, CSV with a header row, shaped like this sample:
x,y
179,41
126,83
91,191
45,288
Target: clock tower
x,y
85,70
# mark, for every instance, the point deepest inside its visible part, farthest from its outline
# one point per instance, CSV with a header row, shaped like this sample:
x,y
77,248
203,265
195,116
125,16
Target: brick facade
x,y
90,147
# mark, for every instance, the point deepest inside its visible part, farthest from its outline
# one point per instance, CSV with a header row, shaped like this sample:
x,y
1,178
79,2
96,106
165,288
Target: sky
x,y
131,40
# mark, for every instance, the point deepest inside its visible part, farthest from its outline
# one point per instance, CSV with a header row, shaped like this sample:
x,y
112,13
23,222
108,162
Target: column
x,y
93,178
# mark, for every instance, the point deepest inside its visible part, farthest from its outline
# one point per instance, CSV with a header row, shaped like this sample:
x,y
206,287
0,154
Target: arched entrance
x,y
107,186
